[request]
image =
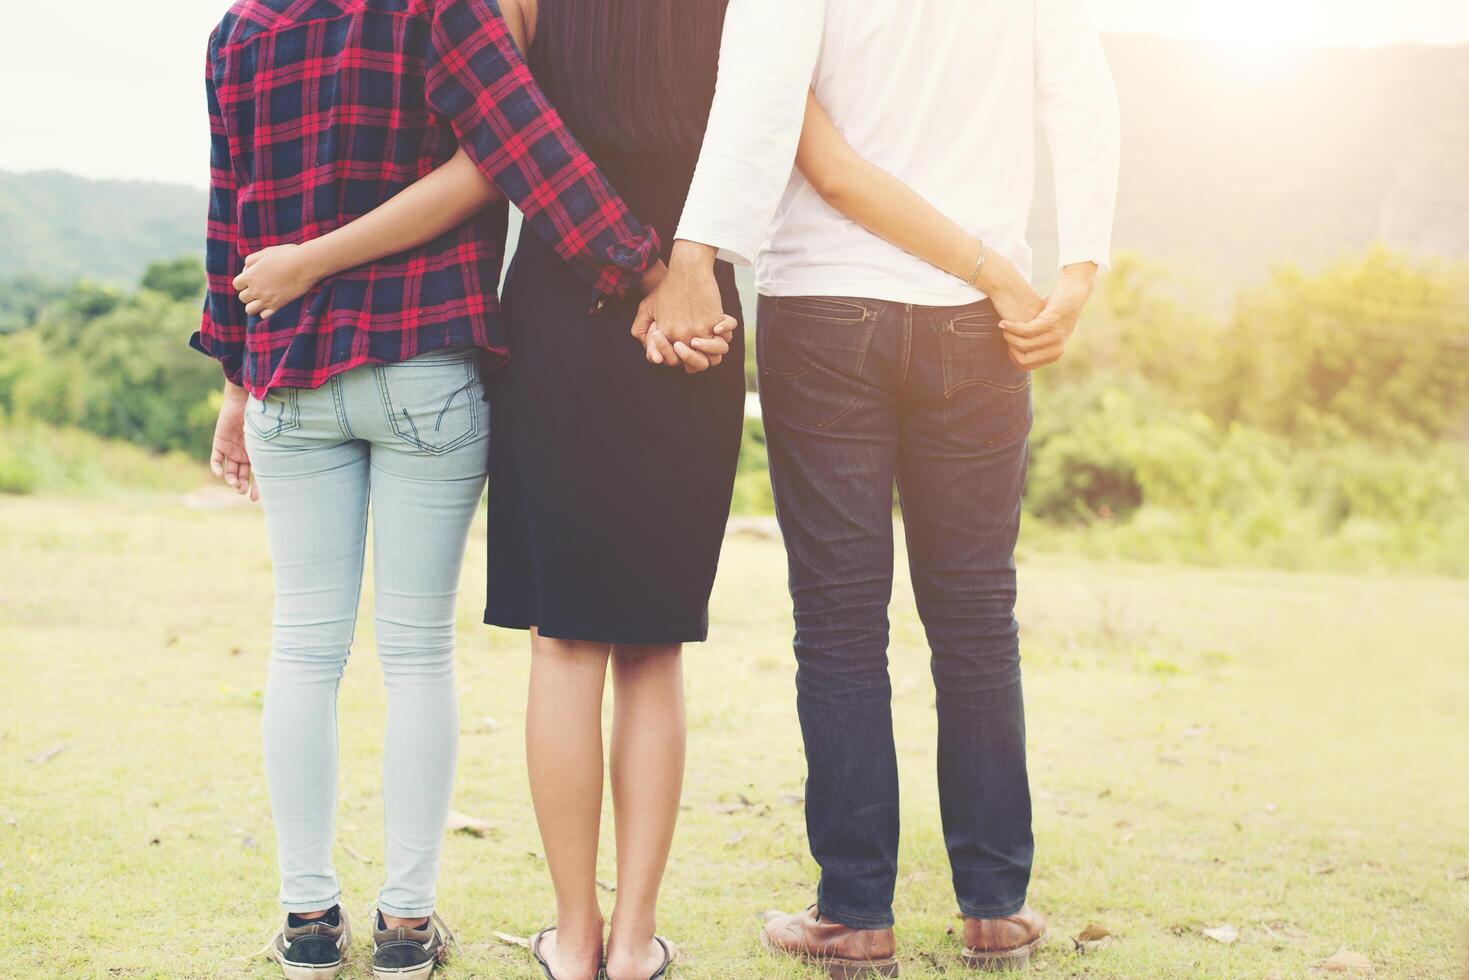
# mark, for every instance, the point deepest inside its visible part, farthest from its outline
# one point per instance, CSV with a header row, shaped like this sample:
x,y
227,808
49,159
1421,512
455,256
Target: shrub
x,y
37,458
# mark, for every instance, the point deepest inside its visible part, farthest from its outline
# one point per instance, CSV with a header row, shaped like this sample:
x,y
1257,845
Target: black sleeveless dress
x,y
610,478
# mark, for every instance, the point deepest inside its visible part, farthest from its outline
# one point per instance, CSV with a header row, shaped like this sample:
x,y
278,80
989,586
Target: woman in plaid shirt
x,y
370,387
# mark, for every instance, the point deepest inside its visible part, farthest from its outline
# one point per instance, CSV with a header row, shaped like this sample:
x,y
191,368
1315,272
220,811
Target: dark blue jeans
x,y
858,394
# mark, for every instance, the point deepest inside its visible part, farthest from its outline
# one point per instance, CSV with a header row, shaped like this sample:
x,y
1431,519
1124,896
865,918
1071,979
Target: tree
x,y
178,279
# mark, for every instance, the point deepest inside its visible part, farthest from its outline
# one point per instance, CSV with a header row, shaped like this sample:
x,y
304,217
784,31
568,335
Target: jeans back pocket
x,y
986,397
812,352
277,413
434,405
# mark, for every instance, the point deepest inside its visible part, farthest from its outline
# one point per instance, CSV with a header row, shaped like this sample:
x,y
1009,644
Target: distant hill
x,y
1233,161
65,227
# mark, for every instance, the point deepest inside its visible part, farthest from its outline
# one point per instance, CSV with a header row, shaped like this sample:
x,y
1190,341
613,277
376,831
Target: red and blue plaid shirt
x,y
320,111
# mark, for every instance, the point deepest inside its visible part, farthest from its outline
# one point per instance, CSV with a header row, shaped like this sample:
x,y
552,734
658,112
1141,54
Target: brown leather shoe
x,y
1003,944
845,953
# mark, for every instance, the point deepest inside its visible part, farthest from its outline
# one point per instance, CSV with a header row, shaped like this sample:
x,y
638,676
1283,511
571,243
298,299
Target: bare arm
x,y
434,206
437,204
892,210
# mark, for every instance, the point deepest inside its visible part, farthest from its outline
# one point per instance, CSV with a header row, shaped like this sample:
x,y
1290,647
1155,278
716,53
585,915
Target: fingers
x,y
232,473
710,346
643,322
1027,344
693,361
240,478
699,354
1047,321
232,466
256,305
1032,360
660,350
716,347
242,281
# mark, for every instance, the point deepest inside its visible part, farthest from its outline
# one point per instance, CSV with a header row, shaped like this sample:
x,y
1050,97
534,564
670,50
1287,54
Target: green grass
x,y
1283,753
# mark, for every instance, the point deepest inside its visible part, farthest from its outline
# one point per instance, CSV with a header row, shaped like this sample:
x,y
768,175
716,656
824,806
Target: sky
x,y
109,89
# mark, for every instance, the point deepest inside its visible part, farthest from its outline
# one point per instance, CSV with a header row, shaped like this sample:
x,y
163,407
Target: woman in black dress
x,y
612,478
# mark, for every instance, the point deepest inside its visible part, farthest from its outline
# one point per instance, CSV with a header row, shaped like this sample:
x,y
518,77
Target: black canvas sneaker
x,y
313,949
408,954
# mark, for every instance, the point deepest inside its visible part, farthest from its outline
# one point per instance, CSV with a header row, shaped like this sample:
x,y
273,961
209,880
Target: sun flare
x,y
1258,25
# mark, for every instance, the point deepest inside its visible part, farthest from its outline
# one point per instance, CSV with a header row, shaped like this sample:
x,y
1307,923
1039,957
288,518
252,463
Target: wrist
x,y
314,261
1084,273
654,276
1000,277
694,256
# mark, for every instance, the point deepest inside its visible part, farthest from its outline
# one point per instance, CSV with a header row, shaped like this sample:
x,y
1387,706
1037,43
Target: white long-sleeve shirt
x,y
944,94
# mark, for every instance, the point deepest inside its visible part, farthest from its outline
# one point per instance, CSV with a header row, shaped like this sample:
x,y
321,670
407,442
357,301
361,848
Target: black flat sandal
x,y
535,951
670,954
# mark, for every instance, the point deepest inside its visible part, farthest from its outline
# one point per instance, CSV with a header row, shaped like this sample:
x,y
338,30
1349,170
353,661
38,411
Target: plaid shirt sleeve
x,y
222,333
479,82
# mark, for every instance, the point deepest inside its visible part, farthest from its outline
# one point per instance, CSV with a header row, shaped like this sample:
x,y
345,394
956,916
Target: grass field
x,y
1284,754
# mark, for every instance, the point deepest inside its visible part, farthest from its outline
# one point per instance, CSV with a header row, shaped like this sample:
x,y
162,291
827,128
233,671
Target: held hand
x,y
700,354
229,460
659,350
1042,339
274,278
1014,297
687,303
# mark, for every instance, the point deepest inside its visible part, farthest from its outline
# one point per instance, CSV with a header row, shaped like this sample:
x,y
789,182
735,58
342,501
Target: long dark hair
x,y
630,73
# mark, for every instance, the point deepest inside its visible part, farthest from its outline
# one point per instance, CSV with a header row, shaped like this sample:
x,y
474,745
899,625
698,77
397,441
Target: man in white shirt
x,y
876,366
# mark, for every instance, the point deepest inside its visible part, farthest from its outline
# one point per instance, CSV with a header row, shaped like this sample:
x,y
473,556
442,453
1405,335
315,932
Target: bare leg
x,y
649,731
563,733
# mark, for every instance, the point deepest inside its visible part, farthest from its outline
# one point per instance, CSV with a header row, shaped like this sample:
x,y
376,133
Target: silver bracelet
x,y
984,253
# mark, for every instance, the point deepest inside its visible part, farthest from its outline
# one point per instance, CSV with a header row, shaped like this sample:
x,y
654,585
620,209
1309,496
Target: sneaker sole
x,y
411,973
838,969
1010,959
296,971
302,971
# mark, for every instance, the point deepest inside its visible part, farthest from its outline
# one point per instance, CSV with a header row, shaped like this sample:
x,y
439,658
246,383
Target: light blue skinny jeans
x,y
412,438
